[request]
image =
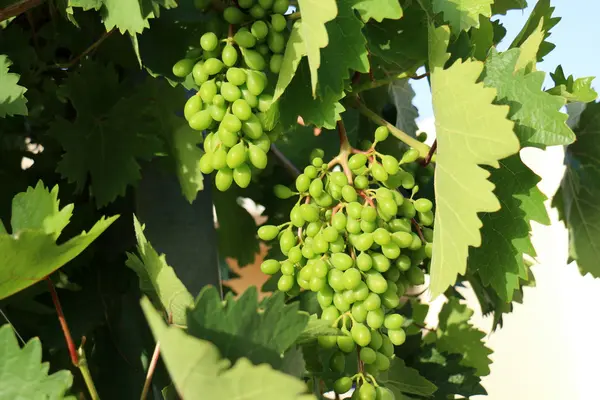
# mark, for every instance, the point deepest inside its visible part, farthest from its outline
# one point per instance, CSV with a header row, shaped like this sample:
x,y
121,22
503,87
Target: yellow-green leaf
x,y
294,51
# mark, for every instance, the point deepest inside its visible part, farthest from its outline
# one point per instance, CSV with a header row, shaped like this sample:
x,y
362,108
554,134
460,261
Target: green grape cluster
x,y
231,103
359,243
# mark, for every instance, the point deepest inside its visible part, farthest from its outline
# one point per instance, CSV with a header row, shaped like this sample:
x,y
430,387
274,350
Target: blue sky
x,y
577,40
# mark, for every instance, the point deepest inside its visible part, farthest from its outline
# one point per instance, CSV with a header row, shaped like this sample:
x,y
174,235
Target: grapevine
x,y
358,237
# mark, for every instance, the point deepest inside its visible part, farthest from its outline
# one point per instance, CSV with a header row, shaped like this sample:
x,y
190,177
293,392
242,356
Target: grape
x,y
257,11
390,298
349,194
394,321
219,159
209,41
415,276
264,102
341,261
367,355
241,109
218,113
224,179
364,241
391,251
375,318
249,97
361,334
330,234
201,120
397,337
352,278
381,236
387,208
379,172
287,268
338,221
198,73
381,133
287,241
383,393
242,175
390,164
330,313
361,182
281,6
229,55
256,82
236,155
183,68
268,232
201,4
380,262
382,362
192,106
426,218
206,163
275,63
376,340
359,312
423,205
212,66
342,385
236,76
376,282
253,59
233,15
276,41
263,142
366,392
416,242
346,344
336,280
252,127
282,192
259,29
285,283
408,209
327,342
229,139
266,4
207,91
278,22
337,362
245,3
270,267
244,38
410,156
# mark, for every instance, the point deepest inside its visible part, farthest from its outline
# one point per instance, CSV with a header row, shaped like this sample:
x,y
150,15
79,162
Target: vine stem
x,y
293,16
345,150
77,356
19,7
287,164
418,228
87,51
422,148
151,369
382,82
432,150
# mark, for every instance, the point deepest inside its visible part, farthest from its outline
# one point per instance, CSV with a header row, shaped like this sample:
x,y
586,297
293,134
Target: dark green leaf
x,y
574,90
402,379
542,10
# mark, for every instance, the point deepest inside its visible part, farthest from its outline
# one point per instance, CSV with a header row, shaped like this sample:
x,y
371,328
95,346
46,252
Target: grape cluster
x,y
231,103
357,241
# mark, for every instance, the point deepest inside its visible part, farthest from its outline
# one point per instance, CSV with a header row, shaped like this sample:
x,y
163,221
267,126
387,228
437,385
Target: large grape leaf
x,y
542,11
378,9
470,131
30,253
294,51
463,14
113,129
197,368
574,90
346,50
539,121
402,379
158,280
456,336
502,6
315,13
506,233
402,95
580,190
23,375
242,328
187,156
12,99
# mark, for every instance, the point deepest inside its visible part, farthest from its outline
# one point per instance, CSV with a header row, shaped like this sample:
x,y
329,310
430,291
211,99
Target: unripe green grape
x,y
278,22
316,188
228,138
259,29
423,205
364,241
381,236
381,133
376,340
320,245
357,161
282,192
198,73
242,175
266,4
372,302
400,225
201,4
183,68
368,214
394,321
408,209
281,6
390,298
208,145
352,278
313,228
408,181
342,385
364,262
375,318
415,276
403,263
265,101
349,194
382,362
366,392
241,109
218,100
218,113
245,3
307,251
256,82
287,268
285,283
341,261
263,143
338,245
263,49
287,241
416,242
275,63
387,208
224,179
330,313
229,55
361,334
249,97
426,218
411,155
391,251
317,284
268,232
295,255
219,159
335,277
354,210
340,303
335,191
346,344
402,239
236,76
252,127
367,355
361,182
206,164
378,172
233,15
312,173
359,312
348,296
243,38
397,337
383,393
352,225
230,92
330,234
310,212
338,221
209,41
392,274
296,217
428,250
387,347
212,66
325,297
207,91
257,12
338,178
390,164
337,362
327,342
236,156
192,106
201,120
254,60
376,282
380,262
270,267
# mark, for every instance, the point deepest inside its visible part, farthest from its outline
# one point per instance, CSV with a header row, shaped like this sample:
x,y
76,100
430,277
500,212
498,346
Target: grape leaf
x,y
579,192
236,229
157,279
108,136
315,13
294,51
30,253
528,56
402,379
542,10
12,99
456,336
506,233
187,156
23,375
463,14
378,9
482,38
503,6
574,90
240,328
316,327
539,121
402,95
196,367
464,142
346,50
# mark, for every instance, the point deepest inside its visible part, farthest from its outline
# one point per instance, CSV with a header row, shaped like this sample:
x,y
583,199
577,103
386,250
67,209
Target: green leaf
x,y
461,186
315,13
196,367
23,375
111,132
316,327
529,49
574,90
402,95
240,328
502,6
12,95
542,10
237,228
402,379
30,253
157,279
187,157
456,336
539,121
463,14
345,52
579,192
482,38
294,51
378,9
506,233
